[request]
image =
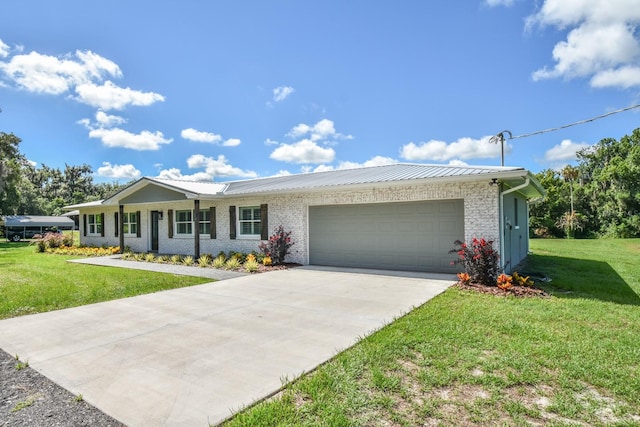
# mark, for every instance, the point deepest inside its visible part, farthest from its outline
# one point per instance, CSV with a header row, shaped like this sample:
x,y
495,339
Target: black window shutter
x,y
102,222
212,217
138,231
264,222
84,224
170,223
115,221
232,222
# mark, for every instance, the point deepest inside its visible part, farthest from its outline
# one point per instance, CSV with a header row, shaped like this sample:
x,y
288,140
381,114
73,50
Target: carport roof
x,y
357,177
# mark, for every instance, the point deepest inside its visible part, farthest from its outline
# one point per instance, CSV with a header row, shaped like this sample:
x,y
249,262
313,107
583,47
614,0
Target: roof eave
x,y
488,176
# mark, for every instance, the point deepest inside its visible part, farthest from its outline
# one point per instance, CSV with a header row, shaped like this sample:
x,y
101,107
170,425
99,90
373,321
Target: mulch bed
x,y
516,291
267,268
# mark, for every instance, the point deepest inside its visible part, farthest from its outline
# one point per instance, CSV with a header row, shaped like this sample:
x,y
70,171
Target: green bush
x,y
251,265
219,261
232,263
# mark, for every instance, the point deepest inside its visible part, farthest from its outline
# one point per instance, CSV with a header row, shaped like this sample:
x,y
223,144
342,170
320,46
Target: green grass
x,y
35,283
472,359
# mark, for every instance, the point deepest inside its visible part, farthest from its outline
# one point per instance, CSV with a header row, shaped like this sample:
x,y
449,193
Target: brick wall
x,y
480,205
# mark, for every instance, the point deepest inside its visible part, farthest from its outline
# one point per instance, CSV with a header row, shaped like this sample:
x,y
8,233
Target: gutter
x,y
501,222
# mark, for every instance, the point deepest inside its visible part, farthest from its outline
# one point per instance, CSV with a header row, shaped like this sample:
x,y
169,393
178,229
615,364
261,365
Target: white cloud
x,y
53,75
142,141
176,174
4,49
305,151
308,149
106,120
109,96
282,92
319,168
199,136
602,43
494,3
81,72
375,161
463,148
624,77
118,171
324,130
219,167
457,162
231,142
270,141
565,151
213,167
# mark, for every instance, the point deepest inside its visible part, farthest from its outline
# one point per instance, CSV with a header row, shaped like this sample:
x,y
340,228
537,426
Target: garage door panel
x,y
402,236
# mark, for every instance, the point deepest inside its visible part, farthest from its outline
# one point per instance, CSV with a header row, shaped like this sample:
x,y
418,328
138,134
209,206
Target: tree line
x,y
27,189
600,197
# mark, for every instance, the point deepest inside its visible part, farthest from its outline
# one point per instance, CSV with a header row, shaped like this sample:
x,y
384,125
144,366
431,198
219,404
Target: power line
x,y
499,138
602,116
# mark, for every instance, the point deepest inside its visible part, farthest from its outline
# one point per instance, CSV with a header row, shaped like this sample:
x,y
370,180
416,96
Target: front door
x,y
155,218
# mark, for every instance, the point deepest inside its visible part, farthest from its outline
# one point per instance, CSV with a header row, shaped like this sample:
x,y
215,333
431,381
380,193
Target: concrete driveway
x,y
193,356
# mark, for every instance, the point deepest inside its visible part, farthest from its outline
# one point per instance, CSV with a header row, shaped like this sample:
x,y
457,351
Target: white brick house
x,y
402,216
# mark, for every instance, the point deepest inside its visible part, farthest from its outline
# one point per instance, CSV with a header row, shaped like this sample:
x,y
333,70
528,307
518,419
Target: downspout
x,y
502,193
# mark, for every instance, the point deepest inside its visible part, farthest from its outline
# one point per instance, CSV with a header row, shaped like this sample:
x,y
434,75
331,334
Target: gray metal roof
x,y
36,221
395,173
367,175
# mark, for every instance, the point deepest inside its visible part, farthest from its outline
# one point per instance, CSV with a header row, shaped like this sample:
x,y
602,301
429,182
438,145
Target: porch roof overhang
x,y
153,190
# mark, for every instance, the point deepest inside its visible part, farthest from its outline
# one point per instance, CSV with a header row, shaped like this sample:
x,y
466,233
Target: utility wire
x,y
500,136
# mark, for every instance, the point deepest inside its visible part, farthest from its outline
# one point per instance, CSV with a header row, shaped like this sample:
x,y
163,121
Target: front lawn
x,y
475,359
34,282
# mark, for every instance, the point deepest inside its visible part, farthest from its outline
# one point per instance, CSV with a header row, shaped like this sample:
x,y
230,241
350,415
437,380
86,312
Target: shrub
x,y
232,263
267,260
479,260
219,261
464,278
149,257
251,265
176,259
278,245
204,260
520,280
239,256
188,260
52,241
504,281
163,259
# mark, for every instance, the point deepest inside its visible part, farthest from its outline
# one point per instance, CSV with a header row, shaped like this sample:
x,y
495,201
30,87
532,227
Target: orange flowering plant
x,y
464,278
504,281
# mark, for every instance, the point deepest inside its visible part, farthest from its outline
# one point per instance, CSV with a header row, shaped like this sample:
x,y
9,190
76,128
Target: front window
x,y
94,223
184,222
205,221
130,223
250,224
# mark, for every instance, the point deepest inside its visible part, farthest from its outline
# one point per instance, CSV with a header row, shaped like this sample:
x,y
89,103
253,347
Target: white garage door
x,y
411,236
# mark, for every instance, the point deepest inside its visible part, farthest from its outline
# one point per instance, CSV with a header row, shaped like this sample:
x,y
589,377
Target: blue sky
x,y
237,89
